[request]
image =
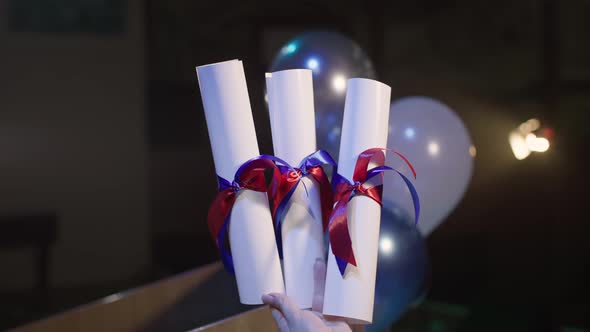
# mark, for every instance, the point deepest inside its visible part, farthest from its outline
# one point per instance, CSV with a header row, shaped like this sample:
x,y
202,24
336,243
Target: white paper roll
x,y
366,117
233,142
290,101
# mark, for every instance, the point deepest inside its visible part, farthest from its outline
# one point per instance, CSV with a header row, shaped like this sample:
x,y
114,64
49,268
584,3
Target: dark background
x,y
106,171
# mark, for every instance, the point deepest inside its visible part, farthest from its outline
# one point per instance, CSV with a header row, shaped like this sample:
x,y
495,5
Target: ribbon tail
x,y
340,240
405,160
342,264
274,191
326,194
415,198
225,253
372,154
218,220
281,198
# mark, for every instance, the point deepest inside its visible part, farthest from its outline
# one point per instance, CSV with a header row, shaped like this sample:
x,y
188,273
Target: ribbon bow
x,y
249,176
285,181
363,184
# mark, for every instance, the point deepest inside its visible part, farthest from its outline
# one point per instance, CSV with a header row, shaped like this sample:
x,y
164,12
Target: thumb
x,y
284,304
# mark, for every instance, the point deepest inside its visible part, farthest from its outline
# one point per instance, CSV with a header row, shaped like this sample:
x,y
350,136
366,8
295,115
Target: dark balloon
x,y
334,59
402,268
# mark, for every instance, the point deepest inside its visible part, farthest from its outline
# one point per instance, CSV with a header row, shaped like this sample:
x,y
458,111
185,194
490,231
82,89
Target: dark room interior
x,y
106,171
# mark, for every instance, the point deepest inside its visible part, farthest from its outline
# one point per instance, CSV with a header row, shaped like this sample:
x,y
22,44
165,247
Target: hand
x,y
290,318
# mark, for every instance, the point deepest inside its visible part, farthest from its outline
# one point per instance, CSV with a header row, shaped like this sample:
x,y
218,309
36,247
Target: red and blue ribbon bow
x,y
338,231
249,176
285,181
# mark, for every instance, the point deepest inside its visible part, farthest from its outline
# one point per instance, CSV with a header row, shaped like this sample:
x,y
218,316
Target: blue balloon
x,y
435,140
402,268
334,59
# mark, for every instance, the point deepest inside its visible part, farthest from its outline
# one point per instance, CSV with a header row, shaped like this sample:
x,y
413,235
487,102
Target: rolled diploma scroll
x,y
290,101
365,125
233,142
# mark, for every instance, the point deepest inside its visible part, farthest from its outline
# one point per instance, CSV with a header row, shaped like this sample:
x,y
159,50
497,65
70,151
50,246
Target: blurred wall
x,y
72,140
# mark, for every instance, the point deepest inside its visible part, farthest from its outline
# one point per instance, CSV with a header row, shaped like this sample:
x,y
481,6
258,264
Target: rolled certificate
x,y
366,116
290,101
233,142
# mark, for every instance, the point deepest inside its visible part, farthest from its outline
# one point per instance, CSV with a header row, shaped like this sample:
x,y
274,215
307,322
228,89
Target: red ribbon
x,y
362,178
284,182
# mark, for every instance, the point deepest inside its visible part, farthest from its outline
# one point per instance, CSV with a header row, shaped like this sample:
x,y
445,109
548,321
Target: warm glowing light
x,y
289,48
472,151
529,139
433,148
386,245
339,83
409,133
534,124
518,145
313,64
536,144
523,141
541,145
529,126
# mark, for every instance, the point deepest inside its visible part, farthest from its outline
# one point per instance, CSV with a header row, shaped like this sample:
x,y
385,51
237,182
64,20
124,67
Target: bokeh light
x,y
339,83
433,148
313,64
523,141
289,48
386,245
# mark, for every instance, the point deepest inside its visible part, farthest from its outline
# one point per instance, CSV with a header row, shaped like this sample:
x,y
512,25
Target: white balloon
x,y
438,145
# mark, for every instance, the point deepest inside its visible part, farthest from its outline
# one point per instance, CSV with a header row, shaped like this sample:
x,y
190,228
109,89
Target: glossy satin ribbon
x,y
285,181
363,184
249,176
